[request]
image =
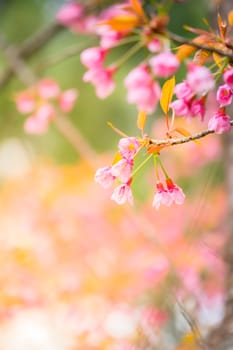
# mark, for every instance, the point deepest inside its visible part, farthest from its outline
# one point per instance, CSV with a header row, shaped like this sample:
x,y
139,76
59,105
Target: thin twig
x,y
180,140
181,40
30,46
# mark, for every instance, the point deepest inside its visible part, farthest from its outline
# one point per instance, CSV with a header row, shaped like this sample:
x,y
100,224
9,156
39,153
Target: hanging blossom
x,y
121,171
220,122
41,101
168,194
142,89
191,93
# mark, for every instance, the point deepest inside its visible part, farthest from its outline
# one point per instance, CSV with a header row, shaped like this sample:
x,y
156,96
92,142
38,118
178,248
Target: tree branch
x,y
180,40
180,140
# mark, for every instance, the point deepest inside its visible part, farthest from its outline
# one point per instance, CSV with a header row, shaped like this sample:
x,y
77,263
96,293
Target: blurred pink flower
x,y
128,147
70,13
25,102
164,64
161,197
224,95
142,89
102,79
200,79
228,77
122,169
220,122
48,89
175,191
93,57
122,194
183,91
67,100
104,177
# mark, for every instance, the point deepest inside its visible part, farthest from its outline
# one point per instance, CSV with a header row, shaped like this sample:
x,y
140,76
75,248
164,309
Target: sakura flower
x,y
220,122
228,77
67,100
154,45
200,79
122,194
25,102
184,91
197,107
164,64
142,89
161,197
102,79
128,147
93,57
122,169
35,125
108,37
104,177
180,107
70,13
224,95
48,89
175,191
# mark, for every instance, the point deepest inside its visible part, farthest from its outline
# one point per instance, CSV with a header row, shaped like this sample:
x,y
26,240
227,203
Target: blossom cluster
x,y
41,102
120,170
220,121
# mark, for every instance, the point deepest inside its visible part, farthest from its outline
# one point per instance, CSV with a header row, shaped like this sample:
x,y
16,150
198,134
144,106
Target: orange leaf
x,y
137,7
141,121
122,23
201,57
222,27
156,149
230,18
185,51
219,60
116,158
166,94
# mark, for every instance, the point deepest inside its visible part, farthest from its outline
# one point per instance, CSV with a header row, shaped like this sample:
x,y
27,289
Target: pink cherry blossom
x,y
48,89
67,100
35,125
142,89
25,102
197,107
104,177
164,64
228,77
122,169
220,122
93,57
224,95
70,13
180,107
175,191
154,45
108,37
128,147
161,197
200,79
122,194
102,79
183,91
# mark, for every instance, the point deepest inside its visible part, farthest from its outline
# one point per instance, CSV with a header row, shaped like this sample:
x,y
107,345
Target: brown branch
x,y
180,140
30,46
181,40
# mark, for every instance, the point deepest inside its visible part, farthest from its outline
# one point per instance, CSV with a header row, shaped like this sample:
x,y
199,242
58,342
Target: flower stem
x,y
162,167
141,165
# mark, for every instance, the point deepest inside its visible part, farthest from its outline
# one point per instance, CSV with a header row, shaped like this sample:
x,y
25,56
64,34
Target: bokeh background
x,y
78,271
